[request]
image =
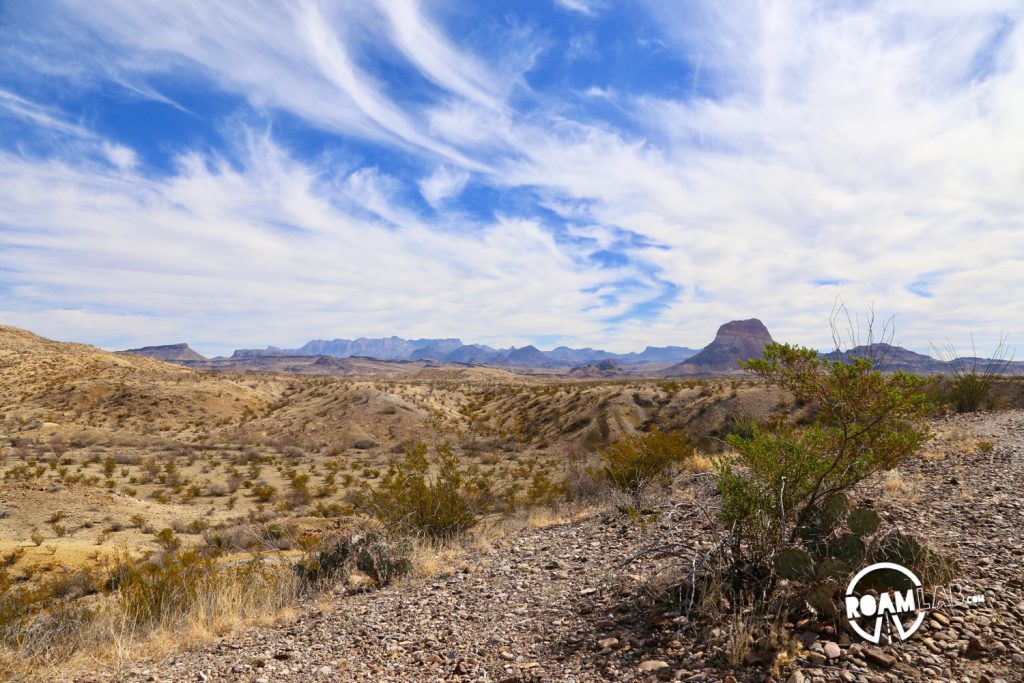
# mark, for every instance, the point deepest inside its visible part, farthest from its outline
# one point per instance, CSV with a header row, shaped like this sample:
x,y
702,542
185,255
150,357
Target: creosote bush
x,y
636,462
792,533
435,497
781,475
795,535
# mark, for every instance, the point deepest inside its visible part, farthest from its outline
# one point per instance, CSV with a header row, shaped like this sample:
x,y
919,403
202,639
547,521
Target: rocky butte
x,y
735,341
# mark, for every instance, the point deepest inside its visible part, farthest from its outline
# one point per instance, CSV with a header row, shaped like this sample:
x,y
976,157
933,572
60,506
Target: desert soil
x,y
555,604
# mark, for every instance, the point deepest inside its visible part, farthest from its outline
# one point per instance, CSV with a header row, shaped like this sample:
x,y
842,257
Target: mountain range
x,y
454,351
891,358
735,341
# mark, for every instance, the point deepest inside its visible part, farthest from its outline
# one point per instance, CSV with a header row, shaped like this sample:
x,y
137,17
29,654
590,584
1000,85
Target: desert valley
x,y
536,341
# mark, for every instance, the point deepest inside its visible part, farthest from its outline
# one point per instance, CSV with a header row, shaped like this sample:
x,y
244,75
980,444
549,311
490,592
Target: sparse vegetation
x,y
793,531
782,474
219,484
635,463
968,382
439,505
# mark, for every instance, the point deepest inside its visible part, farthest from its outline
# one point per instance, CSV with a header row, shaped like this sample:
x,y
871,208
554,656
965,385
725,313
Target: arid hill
x,y
104,453
606,368
85,395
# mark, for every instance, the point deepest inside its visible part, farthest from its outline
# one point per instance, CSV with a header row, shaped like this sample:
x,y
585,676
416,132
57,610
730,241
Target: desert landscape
x,y
544,341
111,461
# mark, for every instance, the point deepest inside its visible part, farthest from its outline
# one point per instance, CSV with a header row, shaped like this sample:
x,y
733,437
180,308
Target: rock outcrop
x,y
606,368
736,341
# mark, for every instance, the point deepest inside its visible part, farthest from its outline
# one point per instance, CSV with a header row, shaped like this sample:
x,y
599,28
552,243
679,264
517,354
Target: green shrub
x,y
782,474
167,540
435,498
264,493
968,392
635,462
543,490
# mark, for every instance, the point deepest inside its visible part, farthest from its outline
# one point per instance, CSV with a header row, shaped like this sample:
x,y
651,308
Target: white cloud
x,y
269,253
581,6
291,56
119,155
429,50
41,116
880,146
442,184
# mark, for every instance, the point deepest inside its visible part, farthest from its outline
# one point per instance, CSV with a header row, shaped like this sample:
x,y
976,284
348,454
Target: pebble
x,y
649,665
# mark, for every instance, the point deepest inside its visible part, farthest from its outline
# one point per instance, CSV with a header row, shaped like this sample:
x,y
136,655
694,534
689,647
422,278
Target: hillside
x,y
101,452
84,395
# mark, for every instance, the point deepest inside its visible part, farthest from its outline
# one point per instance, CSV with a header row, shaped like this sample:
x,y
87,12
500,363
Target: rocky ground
x,y
557,604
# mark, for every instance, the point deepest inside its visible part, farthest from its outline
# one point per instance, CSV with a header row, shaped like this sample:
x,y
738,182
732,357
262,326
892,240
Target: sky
x,y
578,172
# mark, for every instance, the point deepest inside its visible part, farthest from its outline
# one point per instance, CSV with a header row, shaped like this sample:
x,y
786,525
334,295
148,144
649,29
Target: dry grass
x,y
65,641
894,483
700,463
431,560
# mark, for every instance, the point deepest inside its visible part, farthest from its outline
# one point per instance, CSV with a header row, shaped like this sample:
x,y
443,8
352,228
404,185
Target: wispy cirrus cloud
x,y
752,161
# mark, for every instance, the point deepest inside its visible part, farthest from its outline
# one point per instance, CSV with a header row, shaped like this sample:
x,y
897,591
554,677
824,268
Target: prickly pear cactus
x,y
863,521
848,548
794,564
836,541
834,509
822,597
830,568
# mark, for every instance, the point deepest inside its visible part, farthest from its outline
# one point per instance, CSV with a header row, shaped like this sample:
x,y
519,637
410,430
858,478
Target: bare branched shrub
x,y
967,384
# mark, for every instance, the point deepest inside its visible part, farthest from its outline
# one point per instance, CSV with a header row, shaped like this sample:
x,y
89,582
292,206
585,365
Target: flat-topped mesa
x,y
166,352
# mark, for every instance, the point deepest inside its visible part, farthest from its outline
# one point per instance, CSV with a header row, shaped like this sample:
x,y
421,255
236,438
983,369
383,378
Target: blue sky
x,y
580,172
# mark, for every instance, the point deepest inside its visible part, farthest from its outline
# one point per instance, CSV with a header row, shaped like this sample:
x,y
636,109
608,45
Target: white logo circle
x,y
885,607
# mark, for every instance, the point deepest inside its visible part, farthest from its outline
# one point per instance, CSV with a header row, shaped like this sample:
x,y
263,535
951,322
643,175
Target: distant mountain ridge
x,y
452,350
388,348
734,342
891,358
